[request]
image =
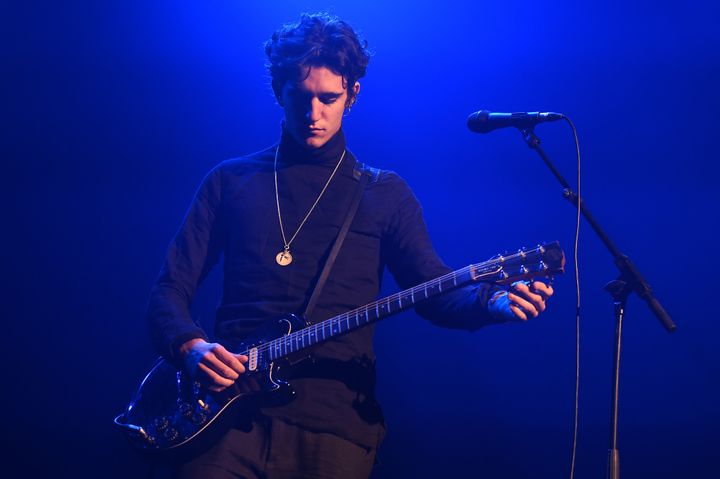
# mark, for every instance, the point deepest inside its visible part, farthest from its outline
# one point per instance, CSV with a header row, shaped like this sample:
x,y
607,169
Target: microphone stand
x,y
630,280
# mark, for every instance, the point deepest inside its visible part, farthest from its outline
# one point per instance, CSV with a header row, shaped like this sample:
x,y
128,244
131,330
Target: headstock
x,y
544,260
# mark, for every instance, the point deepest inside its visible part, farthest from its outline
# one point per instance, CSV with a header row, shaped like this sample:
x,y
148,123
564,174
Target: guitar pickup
x,y
252,359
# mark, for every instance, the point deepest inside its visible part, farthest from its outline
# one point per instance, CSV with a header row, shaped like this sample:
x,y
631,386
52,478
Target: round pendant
x,y
283,258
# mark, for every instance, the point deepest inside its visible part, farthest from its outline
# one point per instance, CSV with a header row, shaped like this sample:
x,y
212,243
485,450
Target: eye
x,y
329,100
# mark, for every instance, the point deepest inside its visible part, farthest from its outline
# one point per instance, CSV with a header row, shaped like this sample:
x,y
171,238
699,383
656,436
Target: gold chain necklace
x,y
284,258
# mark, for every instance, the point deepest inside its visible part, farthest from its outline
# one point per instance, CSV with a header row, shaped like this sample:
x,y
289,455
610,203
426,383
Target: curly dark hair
x,y
317,40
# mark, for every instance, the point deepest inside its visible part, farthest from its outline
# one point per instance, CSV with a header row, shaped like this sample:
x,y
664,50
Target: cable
x,y
577,308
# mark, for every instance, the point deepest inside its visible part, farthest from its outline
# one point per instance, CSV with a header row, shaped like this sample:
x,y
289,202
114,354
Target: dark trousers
x,y
274,449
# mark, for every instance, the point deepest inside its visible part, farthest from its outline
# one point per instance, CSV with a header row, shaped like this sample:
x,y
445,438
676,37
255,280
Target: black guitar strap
x,y
365,174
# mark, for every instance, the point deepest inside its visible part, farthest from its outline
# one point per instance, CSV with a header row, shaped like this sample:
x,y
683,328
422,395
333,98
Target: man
x,y
274,216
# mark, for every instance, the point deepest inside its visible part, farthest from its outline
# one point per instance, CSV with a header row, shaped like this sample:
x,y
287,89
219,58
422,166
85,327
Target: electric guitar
x,y
173,414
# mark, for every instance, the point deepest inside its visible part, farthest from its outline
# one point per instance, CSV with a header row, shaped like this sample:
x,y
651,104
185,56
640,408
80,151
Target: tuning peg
x,y
499,258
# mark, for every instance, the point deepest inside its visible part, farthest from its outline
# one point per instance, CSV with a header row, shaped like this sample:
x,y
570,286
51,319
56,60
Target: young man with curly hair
x,y
274,215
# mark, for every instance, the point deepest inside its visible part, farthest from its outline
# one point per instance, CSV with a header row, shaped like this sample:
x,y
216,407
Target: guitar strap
x,y
365,173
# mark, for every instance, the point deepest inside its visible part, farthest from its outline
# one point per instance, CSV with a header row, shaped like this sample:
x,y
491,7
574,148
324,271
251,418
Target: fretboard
x,y
545,260
373,312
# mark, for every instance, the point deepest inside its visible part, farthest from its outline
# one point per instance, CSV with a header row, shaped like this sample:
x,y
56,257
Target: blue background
x,y
114,111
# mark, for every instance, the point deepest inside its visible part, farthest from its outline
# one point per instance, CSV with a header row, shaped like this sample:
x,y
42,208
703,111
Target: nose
x,y
314,110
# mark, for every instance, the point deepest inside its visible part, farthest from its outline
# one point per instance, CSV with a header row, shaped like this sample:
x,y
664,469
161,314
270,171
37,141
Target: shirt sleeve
x,y
411,259
191,255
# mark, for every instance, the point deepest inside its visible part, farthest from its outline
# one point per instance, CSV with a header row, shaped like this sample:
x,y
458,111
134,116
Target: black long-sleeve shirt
x,y
234,215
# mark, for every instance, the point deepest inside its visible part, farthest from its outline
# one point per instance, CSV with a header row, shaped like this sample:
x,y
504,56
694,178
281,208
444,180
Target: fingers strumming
x,y
213,377
229,359
222,368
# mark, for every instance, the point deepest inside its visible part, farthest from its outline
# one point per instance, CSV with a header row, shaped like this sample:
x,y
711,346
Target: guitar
x,y
173,414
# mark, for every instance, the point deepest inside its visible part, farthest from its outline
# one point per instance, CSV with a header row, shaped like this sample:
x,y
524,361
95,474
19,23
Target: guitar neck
x,y
373,312
545,260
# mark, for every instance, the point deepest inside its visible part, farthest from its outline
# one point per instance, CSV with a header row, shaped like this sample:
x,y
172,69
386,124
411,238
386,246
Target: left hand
x,y
522,301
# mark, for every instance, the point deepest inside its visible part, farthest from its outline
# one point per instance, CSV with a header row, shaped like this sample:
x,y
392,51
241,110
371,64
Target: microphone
x,y
484,121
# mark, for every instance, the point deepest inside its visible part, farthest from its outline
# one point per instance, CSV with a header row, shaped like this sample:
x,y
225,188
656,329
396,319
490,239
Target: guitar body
x,y
174,415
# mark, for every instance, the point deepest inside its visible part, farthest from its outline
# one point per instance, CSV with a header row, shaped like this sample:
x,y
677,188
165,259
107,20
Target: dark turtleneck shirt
x,y
234,216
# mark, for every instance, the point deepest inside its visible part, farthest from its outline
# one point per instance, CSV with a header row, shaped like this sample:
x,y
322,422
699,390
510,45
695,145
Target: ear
x,y
352,97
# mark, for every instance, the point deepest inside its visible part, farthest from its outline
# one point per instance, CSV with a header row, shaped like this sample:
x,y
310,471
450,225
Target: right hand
x,y
212,364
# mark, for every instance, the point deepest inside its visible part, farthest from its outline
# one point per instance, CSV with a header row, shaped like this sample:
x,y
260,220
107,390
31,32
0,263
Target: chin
x,y
315,142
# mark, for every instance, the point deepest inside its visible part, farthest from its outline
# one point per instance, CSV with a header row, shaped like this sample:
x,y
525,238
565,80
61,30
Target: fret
x,y
412,295
377,309
347,320
454,279
440,286
367,319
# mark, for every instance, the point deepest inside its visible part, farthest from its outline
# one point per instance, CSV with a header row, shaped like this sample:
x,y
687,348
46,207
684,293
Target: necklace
x,y
284,258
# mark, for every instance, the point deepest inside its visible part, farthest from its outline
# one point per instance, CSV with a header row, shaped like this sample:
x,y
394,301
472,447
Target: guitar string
x,y
361,311
293,337
278,342
296,341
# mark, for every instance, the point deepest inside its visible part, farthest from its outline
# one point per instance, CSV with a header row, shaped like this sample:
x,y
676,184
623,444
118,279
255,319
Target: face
x,y
314,107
